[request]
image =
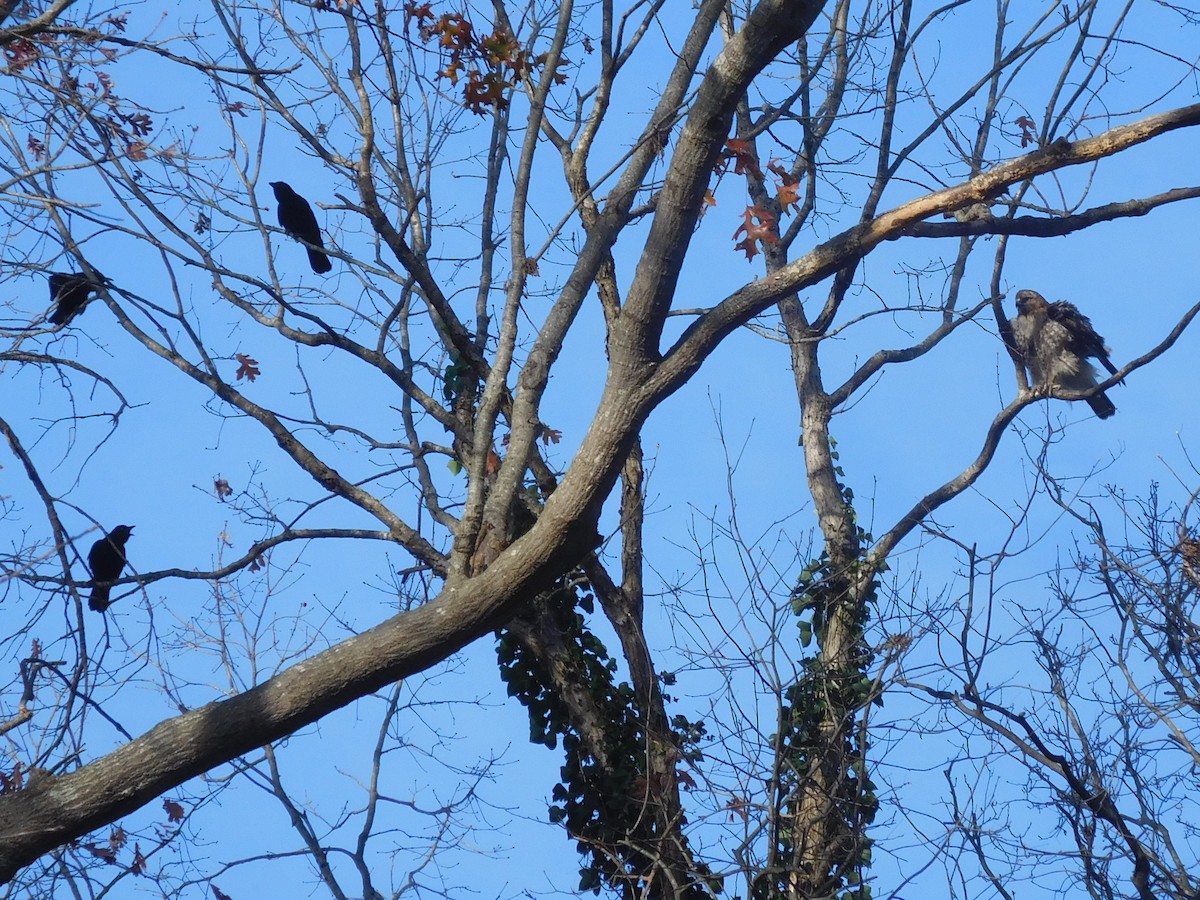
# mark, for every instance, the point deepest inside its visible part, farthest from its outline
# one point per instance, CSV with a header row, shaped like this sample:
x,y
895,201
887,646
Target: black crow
x,y
106,559
70,293
297,219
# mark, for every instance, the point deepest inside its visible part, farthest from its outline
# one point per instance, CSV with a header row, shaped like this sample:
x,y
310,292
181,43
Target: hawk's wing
x,y
1083,340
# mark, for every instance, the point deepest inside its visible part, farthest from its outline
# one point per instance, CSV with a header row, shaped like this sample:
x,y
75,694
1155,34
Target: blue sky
x,y
917,427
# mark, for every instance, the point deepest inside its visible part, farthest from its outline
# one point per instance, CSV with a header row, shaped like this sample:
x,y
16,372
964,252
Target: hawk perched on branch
x,y
1055,340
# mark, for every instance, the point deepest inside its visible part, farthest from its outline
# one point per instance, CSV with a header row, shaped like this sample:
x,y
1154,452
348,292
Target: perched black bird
x,y
297,219
70,293
106,559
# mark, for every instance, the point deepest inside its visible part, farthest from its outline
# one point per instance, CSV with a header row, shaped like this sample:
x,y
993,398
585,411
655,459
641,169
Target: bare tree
x,y
486,174
1097,727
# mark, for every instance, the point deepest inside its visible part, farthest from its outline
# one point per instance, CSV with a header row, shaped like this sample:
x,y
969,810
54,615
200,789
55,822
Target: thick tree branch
x,y
1040,226
56,809
694,346
955,486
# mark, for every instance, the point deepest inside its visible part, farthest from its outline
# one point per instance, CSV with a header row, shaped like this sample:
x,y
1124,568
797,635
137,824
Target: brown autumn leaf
x,y
141,124
419,12
456,33
484,92
174,811
248,367
788,192
493,463
450,73
219,894
14,782
744,159
104,853
1028,130
222,488
138,866
759,227
739,807
788,195
500,47
550,435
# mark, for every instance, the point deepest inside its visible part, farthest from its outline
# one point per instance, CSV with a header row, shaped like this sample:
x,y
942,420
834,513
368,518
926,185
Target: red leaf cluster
x,y
490,66
129,128
759,225
20,54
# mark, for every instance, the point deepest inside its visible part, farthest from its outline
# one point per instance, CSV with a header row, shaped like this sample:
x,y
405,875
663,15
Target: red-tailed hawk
x,y
1055,340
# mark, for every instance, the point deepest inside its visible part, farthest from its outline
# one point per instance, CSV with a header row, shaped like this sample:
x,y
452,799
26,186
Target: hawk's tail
x,y
1108,364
